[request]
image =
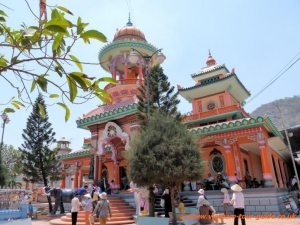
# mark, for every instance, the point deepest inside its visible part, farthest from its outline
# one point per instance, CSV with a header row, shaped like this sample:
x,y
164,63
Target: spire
x,y
129,24
210,61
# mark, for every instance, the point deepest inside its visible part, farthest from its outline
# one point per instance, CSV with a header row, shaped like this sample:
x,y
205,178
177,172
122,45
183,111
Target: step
x,y
82,219
109,222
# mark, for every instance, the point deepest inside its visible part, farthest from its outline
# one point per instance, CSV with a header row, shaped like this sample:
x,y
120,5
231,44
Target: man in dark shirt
x,y
82,191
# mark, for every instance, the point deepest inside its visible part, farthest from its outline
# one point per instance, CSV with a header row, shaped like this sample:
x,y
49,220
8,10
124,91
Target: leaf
x,y
42,111
108,79
14,59
33,85
65,10
57,25
103,93
79,80
57,42
77,62
15,105
55,14
72,88
79,26
94,34
54,96
67,116
42,82
100,97
3,13
2,19
19,103
9,110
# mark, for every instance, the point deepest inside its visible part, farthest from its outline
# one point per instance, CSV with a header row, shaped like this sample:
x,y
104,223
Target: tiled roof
x,y
209,69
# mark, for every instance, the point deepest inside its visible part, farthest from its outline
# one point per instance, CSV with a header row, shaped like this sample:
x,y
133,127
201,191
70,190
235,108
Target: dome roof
x,y
210,61
129,32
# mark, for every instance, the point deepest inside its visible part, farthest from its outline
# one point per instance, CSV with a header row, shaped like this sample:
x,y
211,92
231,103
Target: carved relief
x,y
221,98
252,137
199,106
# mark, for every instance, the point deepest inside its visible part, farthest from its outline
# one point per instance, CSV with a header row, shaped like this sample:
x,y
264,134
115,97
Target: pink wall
x,y
256,166
205,100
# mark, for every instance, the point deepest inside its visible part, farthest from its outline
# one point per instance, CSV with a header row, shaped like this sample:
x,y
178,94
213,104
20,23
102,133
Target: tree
x,y
12,160
165,152
39,55
40,162
162,96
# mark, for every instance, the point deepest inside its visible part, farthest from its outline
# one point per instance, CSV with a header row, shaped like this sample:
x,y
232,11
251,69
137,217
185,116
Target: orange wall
x,y
205,100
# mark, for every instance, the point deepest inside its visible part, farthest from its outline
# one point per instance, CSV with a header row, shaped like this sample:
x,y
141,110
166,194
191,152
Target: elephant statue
x,y
61,196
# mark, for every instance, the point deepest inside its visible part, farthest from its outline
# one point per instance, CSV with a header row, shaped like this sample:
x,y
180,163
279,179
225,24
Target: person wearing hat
x,y
200,199
226,200
207,210
102,209
75,205
87,204
238,204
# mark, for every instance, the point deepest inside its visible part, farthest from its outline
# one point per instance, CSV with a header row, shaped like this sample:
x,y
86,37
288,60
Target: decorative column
x,y
229,163
280,184
125,70
63,181
140,71
117,177
76,177
114,73
267,176
99,160
80,178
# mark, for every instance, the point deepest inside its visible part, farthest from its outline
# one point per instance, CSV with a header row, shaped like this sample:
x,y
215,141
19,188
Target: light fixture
x,y
133,57
160,58
290,134
4,116
29,32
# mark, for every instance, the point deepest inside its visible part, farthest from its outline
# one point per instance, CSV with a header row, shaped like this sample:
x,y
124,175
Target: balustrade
x,y
124,82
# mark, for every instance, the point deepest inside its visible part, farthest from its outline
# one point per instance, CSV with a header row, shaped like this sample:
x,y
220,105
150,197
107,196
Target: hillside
x,y
290,108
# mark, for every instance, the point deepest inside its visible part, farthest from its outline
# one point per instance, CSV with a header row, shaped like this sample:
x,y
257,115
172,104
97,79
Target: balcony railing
x,y
214,112
124,82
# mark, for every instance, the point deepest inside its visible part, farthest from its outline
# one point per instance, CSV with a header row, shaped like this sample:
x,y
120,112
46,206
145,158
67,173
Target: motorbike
x,y
291,205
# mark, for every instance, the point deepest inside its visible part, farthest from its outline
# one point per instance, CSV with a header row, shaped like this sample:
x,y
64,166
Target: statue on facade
x,y
91,173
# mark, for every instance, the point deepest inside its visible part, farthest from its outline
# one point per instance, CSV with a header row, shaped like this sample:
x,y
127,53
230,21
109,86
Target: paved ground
x,y
253,221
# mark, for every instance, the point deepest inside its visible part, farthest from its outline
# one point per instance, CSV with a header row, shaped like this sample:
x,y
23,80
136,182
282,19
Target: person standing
x,y
95,197
193,184
200,199
238,204
168,204
181,207
226,200
102,209
30,210
82,191
75,205
87,204
137,197
112,186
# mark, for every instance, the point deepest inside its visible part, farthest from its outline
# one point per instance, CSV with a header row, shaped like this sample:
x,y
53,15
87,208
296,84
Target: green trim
x,y
213,81
124,43
102,117
75,155
219,68
237,125
273,127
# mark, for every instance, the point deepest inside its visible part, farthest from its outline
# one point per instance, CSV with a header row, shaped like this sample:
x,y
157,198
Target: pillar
x,y
76,177
80,178
96,166
287,174
267,176
117,173
227,98
140,72
114,73
280,183
99,159
63,181
284,179
125,70
229,163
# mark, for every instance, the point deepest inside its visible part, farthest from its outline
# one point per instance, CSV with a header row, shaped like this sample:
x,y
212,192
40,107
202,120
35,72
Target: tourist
x,y
125,182
210,181
99,190
224,184
168,204
87,203
248,179
236,178
137,197
82,191
219,180
254,183
75,206
207,210
102,209
95,197
112,186
155,191
193,184
238,204
294,183
225,176
201,197
226,200
181,207
30,210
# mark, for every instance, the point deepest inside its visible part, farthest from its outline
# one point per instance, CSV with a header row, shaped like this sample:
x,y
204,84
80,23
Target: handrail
x,y
124,82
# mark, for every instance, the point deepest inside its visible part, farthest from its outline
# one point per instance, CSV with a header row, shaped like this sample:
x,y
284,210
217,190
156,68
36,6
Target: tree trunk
x,y
151,201
172,190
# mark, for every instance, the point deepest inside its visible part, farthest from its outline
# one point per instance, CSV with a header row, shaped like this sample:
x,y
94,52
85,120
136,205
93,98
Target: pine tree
x,y
40,162
161,94
164,152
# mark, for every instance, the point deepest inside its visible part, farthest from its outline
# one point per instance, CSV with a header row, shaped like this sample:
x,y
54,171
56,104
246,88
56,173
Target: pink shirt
x,y
226,198
238,200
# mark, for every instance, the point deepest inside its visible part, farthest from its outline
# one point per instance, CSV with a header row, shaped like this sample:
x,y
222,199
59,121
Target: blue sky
x,y
257,38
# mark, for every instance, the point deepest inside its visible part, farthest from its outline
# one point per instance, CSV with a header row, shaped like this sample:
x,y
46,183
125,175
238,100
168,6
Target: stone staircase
x,y
122,213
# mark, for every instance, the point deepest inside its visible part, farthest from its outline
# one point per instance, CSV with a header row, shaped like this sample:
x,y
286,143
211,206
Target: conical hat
x,y
224,190
236,187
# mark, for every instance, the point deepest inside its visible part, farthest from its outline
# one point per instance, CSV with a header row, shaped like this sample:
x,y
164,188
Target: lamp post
x,y
160,58
288,135
5,121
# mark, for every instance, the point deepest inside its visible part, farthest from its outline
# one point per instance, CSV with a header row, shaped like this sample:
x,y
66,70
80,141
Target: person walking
x,y
30,210
238,204
75,205
168,204
226,200
87,204
201,197
102,209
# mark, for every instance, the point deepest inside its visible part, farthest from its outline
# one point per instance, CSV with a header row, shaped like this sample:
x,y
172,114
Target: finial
x,y
129,22
209,52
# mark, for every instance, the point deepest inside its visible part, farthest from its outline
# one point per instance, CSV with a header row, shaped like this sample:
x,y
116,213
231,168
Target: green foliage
x,y
45,46
164,153
162,96
40,163
11,160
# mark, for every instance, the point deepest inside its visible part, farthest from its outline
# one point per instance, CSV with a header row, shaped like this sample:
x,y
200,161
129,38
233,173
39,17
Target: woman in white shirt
x,y
238,204
75,206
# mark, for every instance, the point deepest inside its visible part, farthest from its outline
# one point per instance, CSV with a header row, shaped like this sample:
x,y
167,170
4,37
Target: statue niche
x,y
133,72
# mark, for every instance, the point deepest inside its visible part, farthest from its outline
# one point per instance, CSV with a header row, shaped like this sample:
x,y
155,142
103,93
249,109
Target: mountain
x,y
290,108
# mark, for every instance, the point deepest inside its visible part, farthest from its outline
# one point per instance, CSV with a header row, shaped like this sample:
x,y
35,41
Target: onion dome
x,y
129,32
210,61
